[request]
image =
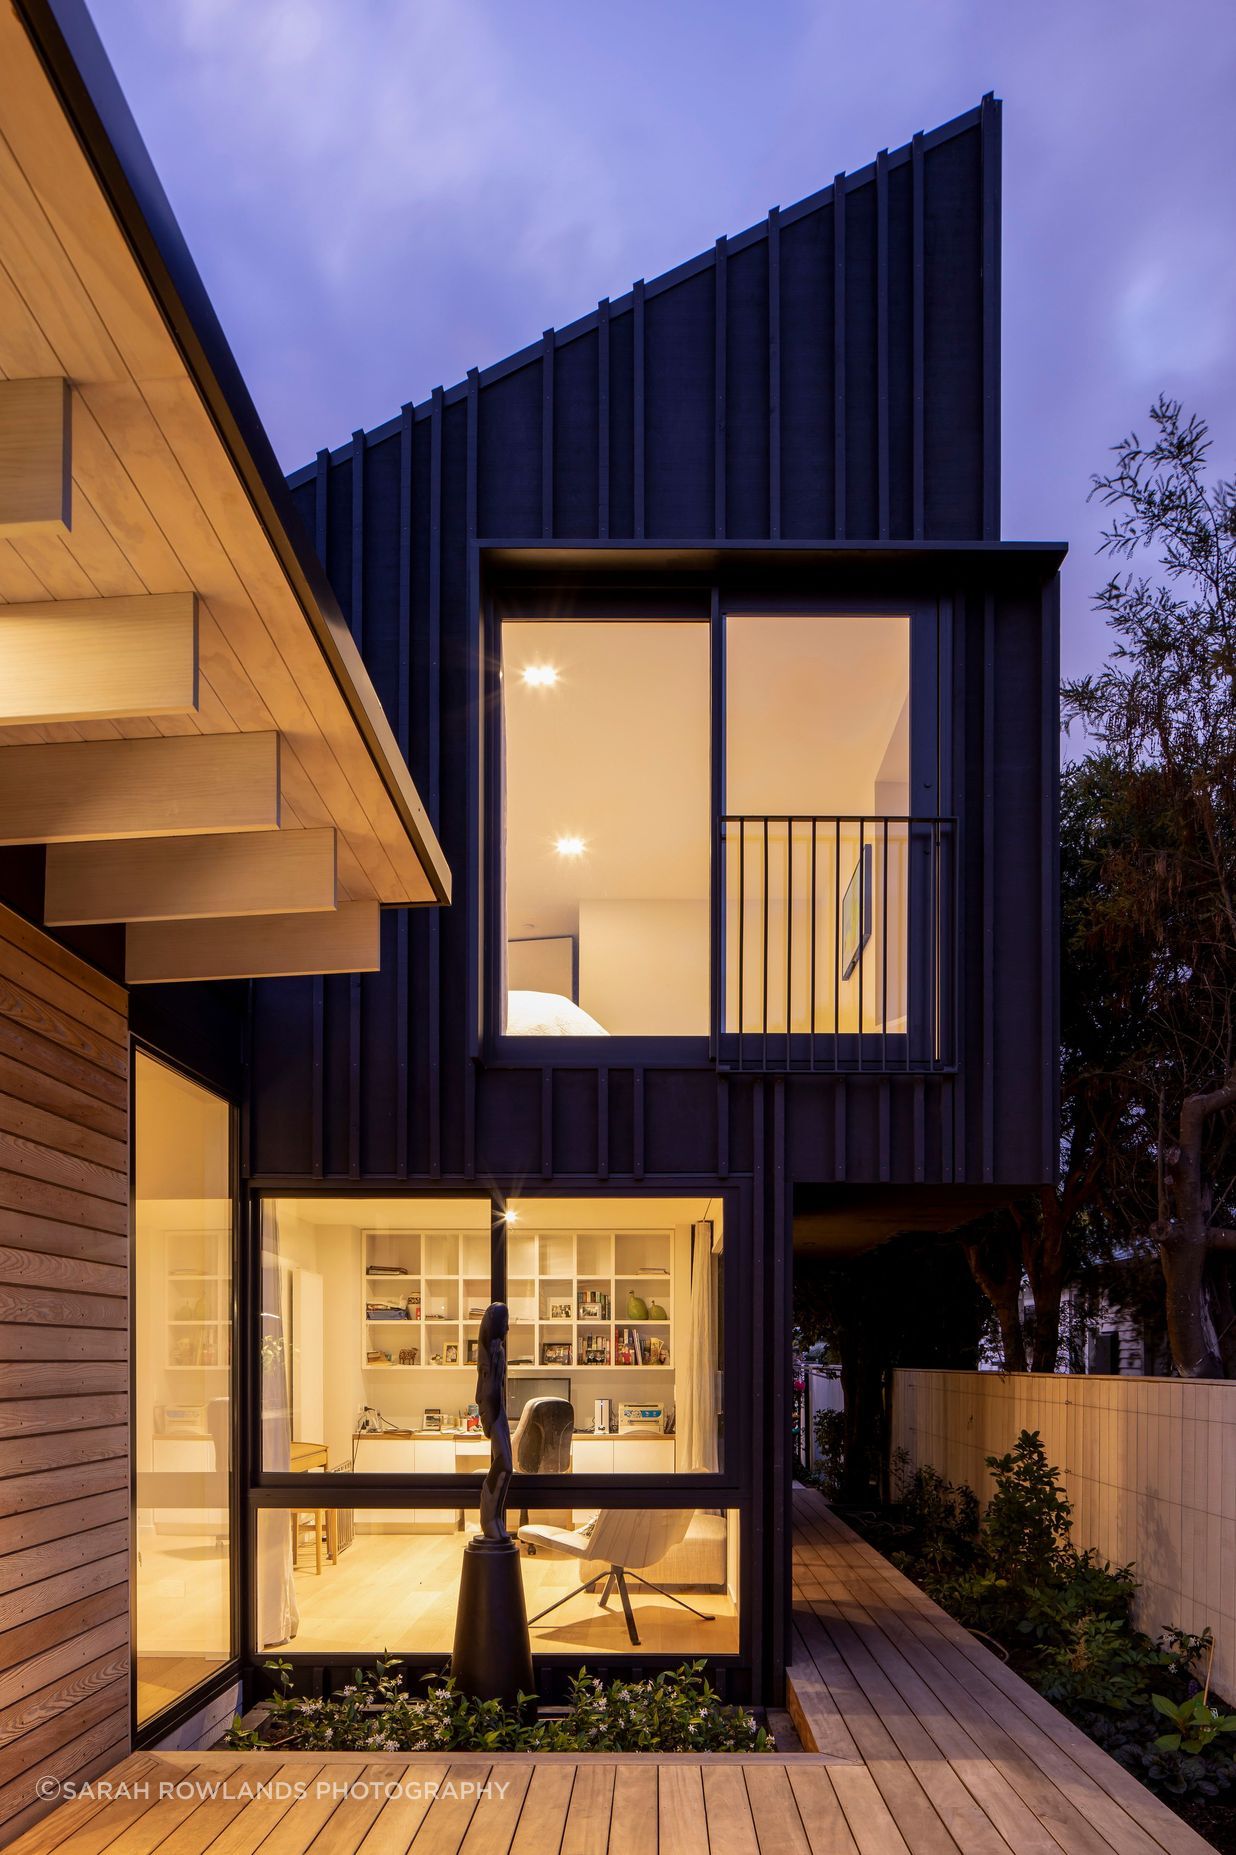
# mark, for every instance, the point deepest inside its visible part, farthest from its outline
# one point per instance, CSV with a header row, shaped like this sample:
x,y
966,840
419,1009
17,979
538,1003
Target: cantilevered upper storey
x,y
789,807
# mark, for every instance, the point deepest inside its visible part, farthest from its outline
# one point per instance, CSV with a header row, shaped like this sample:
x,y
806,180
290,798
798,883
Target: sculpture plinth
x,y
492,1658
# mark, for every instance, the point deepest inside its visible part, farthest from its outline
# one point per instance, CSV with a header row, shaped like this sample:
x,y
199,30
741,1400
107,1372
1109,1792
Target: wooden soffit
x,y
166,484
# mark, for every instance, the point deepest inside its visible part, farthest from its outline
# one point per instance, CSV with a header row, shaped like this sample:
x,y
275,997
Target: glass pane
x,y
616,1308
370,1316
817,850
182,1341
606,829
388,1580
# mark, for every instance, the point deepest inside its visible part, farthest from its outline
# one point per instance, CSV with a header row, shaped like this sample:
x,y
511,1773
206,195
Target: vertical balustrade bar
x,y
935,935
815,930
862,923
836,943
742,928
911,930
764,951
789,936
884,954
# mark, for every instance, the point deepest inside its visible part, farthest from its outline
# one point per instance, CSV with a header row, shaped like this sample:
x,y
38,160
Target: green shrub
x,y
829,1427
676,1711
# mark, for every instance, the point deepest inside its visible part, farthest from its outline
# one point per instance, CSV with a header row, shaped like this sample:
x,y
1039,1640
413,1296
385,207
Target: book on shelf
x,y
628,1349
384,1268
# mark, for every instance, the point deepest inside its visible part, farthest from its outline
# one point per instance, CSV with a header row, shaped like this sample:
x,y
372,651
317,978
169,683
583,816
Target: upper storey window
x,y
606,828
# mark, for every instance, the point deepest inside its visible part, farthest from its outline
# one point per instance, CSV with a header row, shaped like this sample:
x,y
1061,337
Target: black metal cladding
x,y
830,375
808,412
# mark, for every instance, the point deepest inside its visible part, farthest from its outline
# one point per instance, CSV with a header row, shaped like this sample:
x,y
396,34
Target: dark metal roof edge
x,y
68,46
680,273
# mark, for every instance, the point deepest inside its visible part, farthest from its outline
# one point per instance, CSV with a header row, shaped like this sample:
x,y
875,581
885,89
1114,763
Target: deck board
x,y
921,1742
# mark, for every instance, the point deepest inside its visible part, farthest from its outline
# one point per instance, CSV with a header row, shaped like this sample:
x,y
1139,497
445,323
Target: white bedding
x,y
548,1014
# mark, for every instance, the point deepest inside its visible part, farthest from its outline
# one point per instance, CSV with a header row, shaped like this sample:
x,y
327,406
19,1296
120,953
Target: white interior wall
x,y
644,966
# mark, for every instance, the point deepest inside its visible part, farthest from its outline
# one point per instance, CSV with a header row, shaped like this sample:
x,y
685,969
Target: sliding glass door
x,y
182,1412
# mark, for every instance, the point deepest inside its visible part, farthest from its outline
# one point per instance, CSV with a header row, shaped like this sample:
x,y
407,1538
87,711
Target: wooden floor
x,y
923,1743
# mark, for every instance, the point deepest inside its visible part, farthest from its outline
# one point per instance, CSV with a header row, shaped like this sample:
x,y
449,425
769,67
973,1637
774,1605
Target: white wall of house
x,y
1148,1463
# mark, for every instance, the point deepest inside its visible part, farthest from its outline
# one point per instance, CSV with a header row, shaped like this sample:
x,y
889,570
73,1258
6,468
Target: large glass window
x,y
817,848
369,1324
182,1337
606,829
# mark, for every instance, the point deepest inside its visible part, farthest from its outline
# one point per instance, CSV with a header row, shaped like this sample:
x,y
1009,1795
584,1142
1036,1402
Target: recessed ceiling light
x,y
570,846
540,675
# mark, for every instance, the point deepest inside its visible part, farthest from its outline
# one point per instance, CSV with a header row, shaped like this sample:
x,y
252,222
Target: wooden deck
x,y
963,1756
921,1743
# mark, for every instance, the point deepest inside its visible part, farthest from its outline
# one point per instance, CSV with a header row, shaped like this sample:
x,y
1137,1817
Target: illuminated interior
x,y
607,823
182,1327
607,829
397,1591
371,1313
817,727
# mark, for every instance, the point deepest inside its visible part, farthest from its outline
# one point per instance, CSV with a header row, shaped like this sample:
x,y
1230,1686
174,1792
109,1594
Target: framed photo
x,y
560,1310
555,1352
474,1352
408,1355
451,1353
432,1420
856,913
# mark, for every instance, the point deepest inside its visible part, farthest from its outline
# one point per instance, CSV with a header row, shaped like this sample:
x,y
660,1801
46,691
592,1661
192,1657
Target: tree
x,y
1156,869
1047,1238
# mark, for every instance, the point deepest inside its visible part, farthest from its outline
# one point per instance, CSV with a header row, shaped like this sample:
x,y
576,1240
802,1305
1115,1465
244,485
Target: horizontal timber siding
x,y
64,1374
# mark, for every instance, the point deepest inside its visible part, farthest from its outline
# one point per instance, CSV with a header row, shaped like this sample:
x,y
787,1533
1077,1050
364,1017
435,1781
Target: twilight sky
x,y
382,193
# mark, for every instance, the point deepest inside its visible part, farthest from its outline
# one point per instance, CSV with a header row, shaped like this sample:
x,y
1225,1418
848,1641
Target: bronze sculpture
x,y
492,1659
491,1401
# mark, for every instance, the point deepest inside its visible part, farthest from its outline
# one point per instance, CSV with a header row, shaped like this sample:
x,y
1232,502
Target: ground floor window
x,y
182,1413
366,1335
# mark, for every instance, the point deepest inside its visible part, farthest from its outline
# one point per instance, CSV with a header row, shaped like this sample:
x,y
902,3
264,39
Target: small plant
x,y
1196,1723
943,1519
829,1427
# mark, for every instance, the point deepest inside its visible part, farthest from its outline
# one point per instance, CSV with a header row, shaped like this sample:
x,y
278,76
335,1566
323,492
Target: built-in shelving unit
x,y
440,1278
198,1290
568,1293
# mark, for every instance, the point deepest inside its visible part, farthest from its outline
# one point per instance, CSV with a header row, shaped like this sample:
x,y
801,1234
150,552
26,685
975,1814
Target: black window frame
x,y
707,600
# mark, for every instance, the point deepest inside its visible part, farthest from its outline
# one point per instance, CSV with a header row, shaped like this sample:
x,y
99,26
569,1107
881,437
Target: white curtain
x,y
697,1376
278,1613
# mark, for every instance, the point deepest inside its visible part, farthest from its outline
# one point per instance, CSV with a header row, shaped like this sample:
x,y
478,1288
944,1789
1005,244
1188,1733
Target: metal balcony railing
x,y
836,944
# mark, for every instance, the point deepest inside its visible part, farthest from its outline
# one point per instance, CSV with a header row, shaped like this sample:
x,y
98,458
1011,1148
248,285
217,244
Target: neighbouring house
x,y
735,721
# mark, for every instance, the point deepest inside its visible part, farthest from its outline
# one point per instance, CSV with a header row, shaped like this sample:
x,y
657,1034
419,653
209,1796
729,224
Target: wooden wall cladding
x,y
64,1372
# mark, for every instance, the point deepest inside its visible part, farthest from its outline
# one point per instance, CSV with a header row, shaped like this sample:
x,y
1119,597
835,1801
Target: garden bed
x,y
675,1711
1062,1620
